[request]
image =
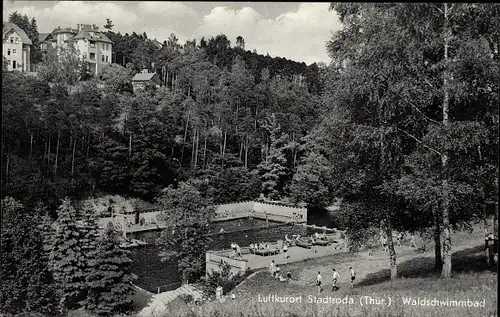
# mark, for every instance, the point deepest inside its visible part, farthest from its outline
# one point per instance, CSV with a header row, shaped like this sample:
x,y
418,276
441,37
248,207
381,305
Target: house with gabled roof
x,y
46,41
16,48
142,80
94,46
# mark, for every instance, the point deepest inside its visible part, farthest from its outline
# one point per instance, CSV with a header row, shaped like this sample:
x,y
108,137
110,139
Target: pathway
x,y
158,304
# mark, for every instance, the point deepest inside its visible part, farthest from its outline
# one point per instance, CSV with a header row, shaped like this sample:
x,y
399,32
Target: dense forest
x,y
401,127
212,119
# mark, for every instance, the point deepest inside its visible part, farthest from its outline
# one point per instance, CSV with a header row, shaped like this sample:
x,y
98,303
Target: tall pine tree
x,y
66,257
26,282
89,240
273,168
110,284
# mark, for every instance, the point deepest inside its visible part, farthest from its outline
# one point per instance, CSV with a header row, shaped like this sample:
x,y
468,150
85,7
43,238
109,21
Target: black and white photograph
x,y
250,159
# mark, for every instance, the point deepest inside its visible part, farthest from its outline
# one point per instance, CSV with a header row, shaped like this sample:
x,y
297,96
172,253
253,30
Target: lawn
x,y
472,280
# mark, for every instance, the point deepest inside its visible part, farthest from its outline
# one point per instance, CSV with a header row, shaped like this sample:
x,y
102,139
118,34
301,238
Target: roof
x,y
65,30
157,43
43,36
98,36
8,26
143,76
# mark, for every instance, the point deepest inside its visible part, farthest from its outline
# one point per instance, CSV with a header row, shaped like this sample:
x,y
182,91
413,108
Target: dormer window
x,y
92,43
11,39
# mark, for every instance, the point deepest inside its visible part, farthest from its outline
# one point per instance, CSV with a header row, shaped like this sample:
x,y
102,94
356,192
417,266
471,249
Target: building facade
x,y
16,48
93,45
143,80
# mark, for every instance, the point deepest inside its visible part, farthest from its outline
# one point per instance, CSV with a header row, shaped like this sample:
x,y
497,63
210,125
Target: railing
x,y
168,287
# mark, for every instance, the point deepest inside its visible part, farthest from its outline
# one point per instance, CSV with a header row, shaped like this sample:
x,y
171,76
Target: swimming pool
x,y
153,273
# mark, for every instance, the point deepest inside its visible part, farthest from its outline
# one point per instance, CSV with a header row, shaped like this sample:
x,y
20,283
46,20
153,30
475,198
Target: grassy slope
x,y
472,280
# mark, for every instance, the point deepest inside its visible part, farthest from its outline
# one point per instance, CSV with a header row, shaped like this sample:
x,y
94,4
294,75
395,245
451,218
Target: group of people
x,y
275,271
399,240
319,236
335,279
236,250
260,246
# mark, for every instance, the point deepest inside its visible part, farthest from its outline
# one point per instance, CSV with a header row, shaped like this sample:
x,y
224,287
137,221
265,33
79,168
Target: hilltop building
x,y
16,48
94,46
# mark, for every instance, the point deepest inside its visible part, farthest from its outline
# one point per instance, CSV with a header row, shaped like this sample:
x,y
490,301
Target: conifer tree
x,y
109,281
26,281
273,168
66,257
89,240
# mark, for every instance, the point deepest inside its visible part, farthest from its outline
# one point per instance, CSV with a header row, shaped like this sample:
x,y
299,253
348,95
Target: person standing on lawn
x,y
285,251
272,268
353,276
318,282
412,242
336,277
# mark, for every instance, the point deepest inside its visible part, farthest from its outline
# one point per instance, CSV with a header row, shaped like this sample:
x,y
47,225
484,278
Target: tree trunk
x,y
255,122
31,145
445,217
241,150
204,152
88,147
129,145
485,213
438,246
185,137
196,152
7,170
57,151
193,145
224,149
48,153
73,158
45,150
495,226
246,151
294,152
495,234
392,250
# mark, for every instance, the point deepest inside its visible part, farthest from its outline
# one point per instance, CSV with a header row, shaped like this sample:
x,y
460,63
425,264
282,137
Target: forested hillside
x,y
223,116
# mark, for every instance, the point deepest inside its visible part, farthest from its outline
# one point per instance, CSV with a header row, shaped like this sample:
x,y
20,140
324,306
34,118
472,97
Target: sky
x,y
297,31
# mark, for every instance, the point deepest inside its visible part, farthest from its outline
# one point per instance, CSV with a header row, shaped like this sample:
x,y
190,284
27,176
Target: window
x,y
8,51
102,57
17,40
13,64
85,55
13,51
107,58
92,56
92,44
11,39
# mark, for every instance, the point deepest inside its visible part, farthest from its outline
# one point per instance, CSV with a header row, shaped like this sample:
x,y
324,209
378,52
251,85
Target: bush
x,y
224,278
186,298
